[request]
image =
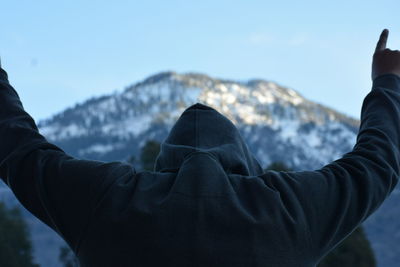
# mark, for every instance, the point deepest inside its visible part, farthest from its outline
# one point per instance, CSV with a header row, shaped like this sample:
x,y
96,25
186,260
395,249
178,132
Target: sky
x,y
59,53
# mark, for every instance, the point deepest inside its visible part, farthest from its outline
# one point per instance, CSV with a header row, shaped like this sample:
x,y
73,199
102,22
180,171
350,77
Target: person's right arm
x,y
331,202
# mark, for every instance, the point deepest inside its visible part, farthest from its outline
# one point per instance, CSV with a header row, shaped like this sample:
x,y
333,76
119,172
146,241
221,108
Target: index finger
x,y
381,45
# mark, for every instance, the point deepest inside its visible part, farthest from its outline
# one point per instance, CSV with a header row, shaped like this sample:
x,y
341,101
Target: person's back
x,y
207,202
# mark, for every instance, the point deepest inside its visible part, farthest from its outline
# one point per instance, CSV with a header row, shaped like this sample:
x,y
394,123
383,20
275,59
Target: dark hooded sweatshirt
x,y
207,202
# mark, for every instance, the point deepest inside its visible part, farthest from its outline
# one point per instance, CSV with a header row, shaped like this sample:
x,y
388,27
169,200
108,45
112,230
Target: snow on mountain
x,y
278,123
268,114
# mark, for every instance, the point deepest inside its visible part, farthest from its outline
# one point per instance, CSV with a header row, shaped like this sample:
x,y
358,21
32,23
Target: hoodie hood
x,y
202,129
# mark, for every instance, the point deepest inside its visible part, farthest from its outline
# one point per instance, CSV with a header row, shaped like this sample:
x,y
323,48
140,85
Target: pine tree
x,y
149,154
353,251
15,244
278,166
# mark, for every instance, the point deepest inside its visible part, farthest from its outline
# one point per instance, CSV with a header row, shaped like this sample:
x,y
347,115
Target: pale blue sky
x,y
58,53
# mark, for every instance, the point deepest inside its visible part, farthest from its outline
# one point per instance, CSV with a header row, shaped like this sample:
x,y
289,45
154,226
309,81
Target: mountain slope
x,y
276,118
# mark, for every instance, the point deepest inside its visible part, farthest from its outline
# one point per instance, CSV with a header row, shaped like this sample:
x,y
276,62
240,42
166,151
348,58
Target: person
x,y
207,202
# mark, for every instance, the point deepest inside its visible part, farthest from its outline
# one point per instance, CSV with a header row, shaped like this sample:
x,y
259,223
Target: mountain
x,y
273,119
278,124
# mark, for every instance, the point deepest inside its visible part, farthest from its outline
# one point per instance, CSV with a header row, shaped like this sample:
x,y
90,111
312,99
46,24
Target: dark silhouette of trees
x,y
355,250
149,153
15,244
278,166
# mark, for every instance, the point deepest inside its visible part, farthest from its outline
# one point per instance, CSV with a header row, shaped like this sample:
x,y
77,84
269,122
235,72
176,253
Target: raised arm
x,y
58,189
331,202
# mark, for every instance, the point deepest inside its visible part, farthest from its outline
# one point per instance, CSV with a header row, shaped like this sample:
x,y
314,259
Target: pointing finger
x,y
381,45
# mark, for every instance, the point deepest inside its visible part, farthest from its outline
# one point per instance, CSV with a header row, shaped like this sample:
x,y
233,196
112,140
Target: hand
x,y
385,60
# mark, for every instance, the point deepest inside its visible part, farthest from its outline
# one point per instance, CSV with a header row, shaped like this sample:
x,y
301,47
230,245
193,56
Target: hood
x,y
201,128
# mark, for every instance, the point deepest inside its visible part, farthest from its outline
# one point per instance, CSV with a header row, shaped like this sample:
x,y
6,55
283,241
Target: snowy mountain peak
x,y
112,121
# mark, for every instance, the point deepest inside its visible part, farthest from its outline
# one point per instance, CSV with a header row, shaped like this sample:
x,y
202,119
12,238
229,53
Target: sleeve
x,y
60,190
331,202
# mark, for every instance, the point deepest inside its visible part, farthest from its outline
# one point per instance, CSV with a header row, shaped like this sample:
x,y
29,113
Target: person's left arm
x,y
60,190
